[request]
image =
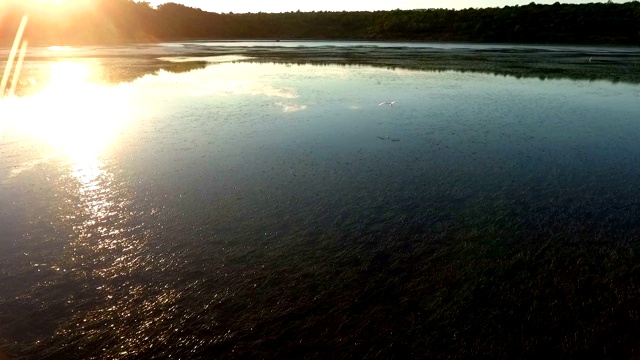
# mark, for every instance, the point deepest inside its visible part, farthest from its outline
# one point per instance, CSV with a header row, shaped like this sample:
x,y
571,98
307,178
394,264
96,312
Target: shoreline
x,y
614,64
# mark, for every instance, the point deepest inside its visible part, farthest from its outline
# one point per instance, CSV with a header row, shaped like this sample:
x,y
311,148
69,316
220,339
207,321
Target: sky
x,y
245,6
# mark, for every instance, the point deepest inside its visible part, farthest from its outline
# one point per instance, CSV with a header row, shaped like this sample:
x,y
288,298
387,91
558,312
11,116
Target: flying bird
x,y
391,103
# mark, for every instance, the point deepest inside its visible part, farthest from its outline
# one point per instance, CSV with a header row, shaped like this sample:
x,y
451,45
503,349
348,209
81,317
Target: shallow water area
x,y
224,203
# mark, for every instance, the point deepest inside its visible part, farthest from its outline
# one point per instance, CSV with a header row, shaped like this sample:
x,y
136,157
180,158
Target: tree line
x,y
117,21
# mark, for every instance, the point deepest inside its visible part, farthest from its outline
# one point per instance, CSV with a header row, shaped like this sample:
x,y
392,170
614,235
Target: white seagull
x,y
391,103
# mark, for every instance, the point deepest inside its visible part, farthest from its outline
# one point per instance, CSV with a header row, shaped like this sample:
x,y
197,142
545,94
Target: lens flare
x,y
12,55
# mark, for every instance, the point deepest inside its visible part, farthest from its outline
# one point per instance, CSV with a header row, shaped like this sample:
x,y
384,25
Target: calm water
x,y
216,206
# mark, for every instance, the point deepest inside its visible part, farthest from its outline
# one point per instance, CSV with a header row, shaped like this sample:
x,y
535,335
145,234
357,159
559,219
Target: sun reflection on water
x,y
80,122
71,116
72,125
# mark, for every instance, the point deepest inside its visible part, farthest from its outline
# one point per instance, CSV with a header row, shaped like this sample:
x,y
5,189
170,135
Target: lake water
x,y
232,200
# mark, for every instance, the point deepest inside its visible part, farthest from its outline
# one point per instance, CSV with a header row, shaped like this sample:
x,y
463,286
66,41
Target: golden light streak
x,y
12,55
16,73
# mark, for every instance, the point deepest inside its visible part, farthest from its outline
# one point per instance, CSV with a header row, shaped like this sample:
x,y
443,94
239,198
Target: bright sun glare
x,y
45,2
72,116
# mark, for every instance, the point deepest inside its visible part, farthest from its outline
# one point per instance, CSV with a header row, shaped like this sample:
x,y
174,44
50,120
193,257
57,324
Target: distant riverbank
x,y
609,63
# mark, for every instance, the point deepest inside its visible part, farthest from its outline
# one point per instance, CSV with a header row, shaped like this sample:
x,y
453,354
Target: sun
x,y
47,2
38,4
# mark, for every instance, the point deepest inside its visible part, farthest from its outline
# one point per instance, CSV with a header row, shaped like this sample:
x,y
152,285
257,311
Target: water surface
x,y
157,202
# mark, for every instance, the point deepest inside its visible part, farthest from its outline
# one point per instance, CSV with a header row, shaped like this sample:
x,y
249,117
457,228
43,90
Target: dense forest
x,y
115,21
